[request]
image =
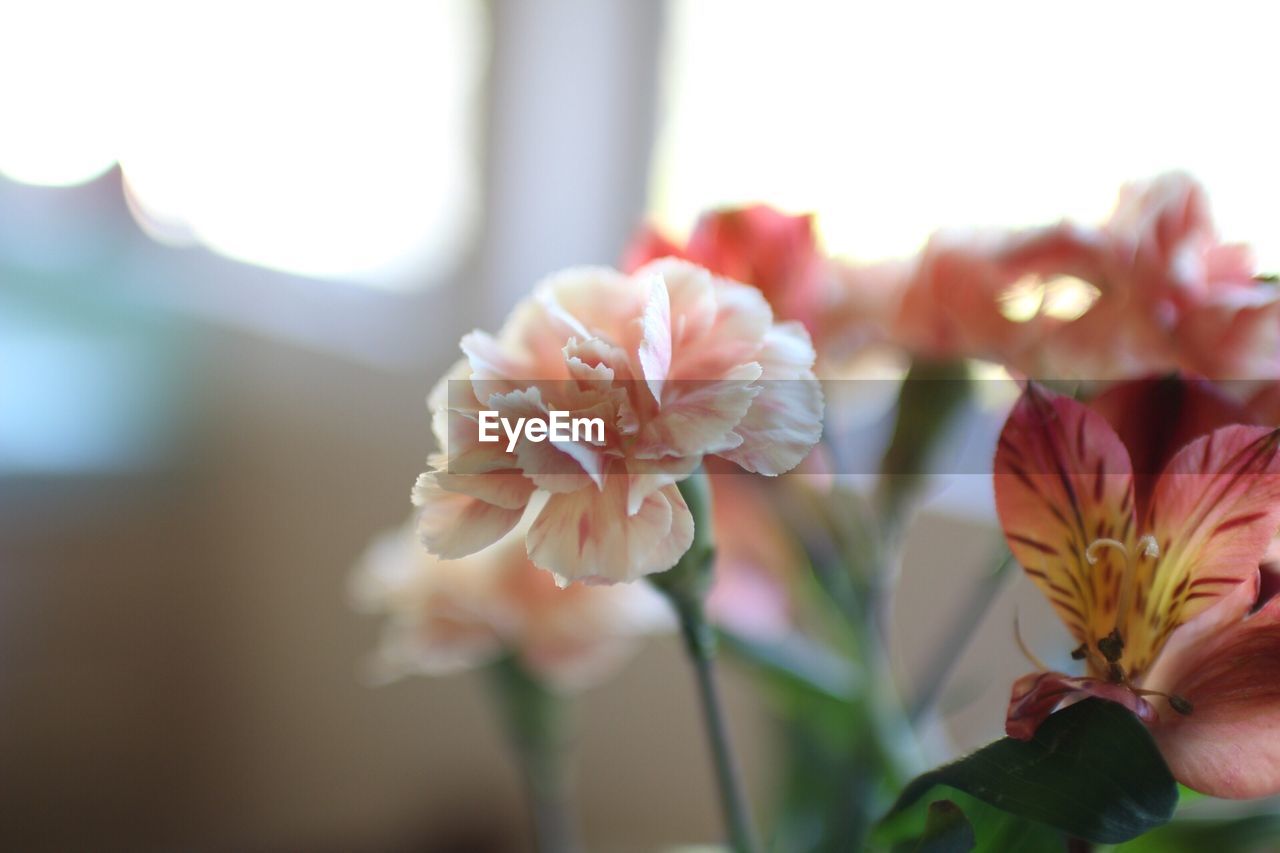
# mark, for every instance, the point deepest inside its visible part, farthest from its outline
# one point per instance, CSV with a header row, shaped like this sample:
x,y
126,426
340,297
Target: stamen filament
x,y
1026,651
1147,547
1182,706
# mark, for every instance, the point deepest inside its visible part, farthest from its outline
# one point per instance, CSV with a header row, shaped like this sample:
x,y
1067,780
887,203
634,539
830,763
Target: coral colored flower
x,y
957,299
678,364
446,616
1220,318
1171,296
1151,290
757,245
1156,589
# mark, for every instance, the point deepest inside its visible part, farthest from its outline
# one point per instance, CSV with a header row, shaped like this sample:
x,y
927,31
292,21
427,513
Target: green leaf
x,y
1256,833
994,831
1092,771
931,395
797,664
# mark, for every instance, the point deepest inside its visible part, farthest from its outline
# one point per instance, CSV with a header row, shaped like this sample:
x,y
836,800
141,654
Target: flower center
x,y
1110,648
1112,645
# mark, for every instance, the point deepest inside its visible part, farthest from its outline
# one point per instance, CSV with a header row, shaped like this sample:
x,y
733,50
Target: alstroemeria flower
x,y
757,245
446,616
1155,588
678,364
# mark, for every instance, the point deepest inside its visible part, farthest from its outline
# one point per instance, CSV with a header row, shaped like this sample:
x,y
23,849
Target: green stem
x,y
535,721
685,586
700,645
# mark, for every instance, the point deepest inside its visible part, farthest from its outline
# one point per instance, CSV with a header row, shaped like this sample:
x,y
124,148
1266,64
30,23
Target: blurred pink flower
x,y
445,616
1161,292
957,300
1220,319
678,365
756,560
757,245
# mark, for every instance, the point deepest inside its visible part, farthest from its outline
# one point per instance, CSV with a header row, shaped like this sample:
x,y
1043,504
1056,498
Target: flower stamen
x,y
1176,702
1112,645
1025,649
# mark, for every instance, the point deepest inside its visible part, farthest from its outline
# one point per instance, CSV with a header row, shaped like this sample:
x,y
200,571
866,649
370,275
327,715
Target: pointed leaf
x,y
994,831
1091,771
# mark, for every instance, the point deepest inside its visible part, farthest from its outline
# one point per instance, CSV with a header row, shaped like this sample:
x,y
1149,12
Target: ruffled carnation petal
x,y
454,524
589,536
785,419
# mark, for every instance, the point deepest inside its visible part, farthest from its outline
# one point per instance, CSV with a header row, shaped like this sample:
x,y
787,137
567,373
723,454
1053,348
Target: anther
x,y
1091,553
1080,652
1112,646
1176,702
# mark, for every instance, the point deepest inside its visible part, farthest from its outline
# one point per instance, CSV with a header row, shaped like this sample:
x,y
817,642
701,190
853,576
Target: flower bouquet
x,y
699,442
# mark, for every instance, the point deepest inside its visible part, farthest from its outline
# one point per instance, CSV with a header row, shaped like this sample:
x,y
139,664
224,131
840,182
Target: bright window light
x,y
325,139
893,119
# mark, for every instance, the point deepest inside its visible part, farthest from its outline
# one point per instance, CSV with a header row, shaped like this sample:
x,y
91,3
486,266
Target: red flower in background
x,y
757,245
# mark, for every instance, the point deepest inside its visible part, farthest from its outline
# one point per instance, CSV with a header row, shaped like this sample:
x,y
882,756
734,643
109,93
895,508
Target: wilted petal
x,y
452,524
1039,694
1062,481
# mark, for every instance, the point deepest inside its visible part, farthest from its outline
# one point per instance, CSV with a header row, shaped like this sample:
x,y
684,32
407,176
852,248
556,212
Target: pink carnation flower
x,y
678,364
446,616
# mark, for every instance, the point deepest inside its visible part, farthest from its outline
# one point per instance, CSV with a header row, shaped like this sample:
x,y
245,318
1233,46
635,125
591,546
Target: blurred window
x,y
892,119
323,139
